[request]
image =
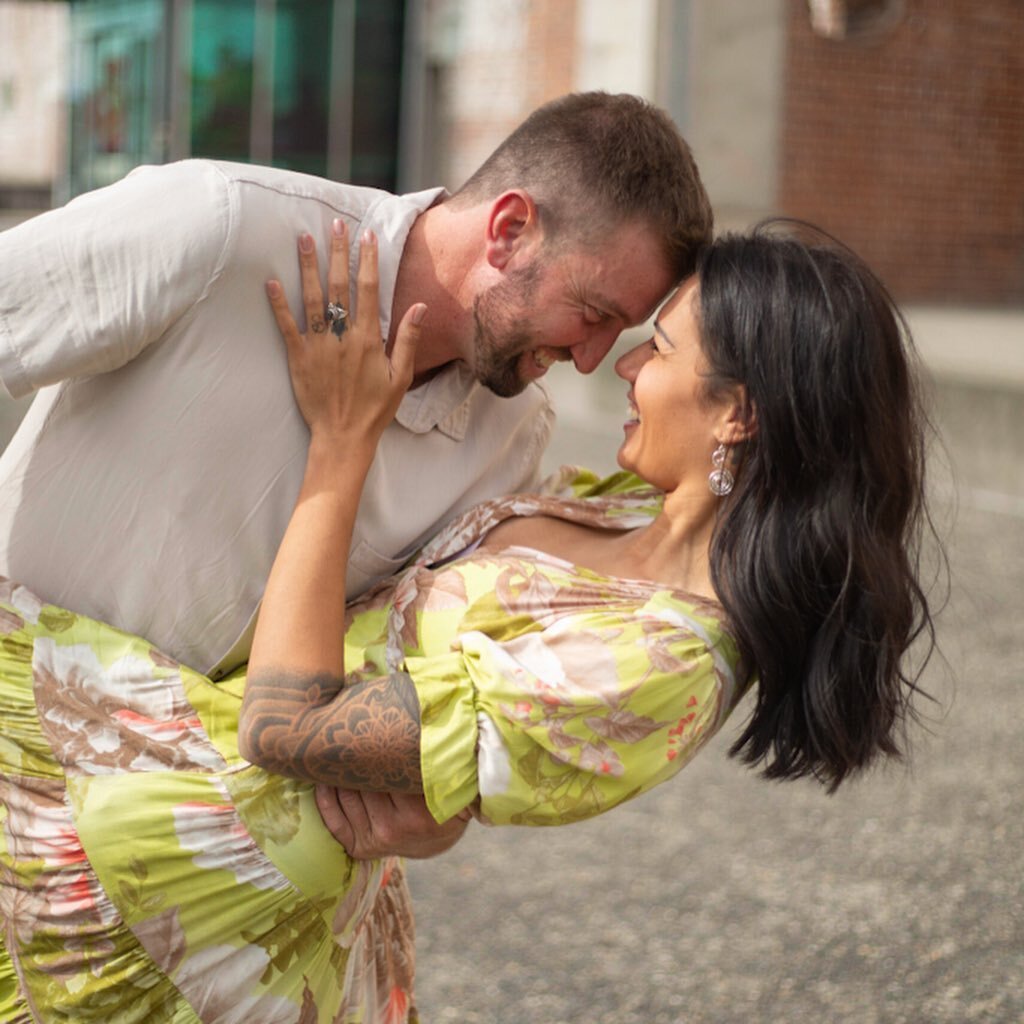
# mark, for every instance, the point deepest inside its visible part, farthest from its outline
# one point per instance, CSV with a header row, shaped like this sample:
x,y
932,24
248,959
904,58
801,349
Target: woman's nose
x,y
627,366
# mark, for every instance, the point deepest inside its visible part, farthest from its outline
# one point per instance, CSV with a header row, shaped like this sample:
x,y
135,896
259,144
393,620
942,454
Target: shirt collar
x,y
442,403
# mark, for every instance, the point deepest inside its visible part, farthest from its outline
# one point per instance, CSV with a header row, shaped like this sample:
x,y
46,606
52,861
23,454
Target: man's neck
x,y
435,264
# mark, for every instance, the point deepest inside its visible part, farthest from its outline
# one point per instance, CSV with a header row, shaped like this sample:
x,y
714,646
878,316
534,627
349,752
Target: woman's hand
x,y
346,386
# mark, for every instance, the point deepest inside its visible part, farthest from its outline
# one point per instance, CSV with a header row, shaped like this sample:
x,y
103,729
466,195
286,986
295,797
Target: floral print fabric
x,y
148,873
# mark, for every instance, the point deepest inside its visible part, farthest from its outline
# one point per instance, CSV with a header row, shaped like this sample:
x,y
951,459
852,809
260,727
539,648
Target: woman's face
x,y
670,433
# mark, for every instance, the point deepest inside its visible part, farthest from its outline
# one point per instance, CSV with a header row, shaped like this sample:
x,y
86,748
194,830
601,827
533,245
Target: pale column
x,y
616,46
33,87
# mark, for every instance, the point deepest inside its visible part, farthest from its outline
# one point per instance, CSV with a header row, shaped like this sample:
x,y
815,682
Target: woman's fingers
x,y
345,381
312,293
368,286
337,267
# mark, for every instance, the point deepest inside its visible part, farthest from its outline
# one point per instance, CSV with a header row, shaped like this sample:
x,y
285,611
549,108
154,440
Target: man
x,y
152,479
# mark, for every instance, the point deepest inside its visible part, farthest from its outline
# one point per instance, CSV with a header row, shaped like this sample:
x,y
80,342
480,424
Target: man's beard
x,y
503,331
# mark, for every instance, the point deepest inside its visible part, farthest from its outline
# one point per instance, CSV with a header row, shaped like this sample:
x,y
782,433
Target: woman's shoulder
x,y
620,501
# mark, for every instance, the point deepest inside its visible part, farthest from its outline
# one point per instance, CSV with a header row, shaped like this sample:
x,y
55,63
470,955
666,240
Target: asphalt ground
x,y
721,898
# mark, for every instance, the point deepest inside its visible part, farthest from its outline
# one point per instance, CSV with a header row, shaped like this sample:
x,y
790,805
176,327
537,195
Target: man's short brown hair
x,y
594,162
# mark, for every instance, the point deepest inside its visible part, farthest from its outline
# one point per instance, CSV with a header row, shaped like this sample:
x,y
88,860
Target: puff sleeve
x,y
564,720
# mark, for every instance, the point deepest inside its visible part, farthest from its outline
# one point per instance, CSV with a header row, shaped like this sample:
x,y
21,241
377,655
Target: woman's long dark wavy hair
x,y
816,555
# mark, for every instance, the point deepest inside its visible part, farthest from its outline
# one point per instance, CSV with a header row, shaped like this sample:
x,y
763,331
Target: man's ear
x,y
738,421
513,228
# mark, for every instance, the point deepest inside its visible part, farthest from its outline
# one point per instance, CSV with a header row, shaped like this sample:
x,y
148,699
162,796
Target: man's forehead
x,y
634,294
630,276
632,309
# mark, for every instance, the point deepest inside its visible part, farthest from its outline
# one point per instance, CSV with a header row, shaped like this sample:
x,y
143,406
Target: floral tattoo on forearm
x,y
364,736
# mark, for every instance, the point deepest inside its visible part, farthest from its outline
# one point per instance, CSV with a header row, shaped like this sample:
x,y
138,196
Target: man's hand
x,y
372,825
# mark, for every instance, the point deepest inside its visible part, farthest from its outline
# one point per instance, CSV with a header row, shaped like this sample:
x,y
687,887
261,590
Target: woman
x,y
543,659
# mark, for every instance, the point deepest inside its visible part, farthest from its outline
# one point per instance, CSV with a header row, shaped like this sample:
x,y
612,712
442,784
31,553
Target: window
x,y
311,85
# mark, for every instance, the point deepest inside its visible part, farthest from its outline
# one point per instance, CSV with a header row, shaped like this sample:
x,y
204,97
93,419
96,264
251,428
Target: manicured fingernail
x,y
368,237
338,227
418,313
273,289
306,242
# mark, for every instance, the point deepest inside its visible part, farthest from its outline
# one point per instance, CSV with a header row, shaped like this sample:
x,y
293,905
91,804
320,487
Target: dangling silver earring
x,y
720,480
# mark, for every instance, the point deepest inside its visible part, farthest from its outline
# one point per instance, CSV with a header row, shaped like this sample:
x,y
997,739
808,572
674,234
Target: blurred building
x,y
33,101
898,124
904,133
268,81
147,81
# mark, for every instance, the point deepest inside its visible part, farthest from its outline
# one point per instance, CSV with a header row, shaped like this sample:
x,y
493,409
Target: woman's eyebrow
x,y
660,331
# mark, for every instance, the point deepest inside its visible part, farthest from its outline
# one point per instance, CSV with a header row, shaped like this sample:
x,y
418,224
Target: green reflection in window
x,y
302,76
117,94
377,87
223,35
246,80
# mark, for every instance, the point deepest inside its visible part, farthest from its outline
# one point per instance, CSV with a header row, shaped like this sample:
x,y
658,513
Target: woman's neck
x,y
674,549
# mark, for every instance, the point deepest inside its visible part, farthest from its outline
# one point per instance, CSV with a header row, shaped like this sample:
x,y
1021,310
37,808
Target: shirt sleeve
x,y
85,288
564,723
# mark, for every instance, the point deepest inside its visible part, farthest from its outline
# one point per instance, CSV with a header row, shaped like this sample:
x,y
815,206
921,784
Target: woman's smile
x,y
634,413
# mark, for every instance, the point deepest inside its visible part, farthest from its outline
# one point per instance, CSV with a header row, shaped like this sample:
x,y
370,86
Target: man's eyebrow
x,y
660,331
602,302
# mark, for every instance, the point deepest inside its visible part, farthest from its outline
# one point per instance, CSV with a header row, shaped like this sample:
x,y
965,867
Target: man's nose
x,y
587,354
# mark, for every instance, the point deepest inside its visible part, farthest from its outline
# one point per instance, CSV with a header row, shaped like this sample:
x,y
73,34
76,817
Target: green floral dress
x,y
149,874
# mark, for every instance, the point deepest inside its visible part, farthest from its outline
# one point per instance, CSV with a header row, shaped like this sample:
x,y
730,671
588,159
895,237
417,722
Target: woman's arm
x,y
297,717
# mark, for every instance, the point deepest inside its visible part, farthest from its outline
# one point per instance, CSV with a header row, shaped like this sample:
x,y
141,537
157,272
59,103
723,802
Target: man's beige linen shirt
x,y
154,474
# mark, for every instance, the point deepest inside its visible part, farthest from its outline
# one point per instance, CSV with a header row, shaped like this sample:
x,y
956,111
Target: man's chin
x,y
505,380
505,386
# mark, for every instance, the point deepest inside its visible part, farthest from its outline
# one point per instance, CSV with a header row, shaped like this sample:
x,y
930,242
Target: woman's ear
x,y
738,421
513,227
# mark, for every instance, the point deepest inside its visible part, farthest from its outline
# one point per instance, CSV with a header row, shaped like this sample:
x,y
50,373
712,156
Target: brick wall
x,y
550,50
512,56
909,145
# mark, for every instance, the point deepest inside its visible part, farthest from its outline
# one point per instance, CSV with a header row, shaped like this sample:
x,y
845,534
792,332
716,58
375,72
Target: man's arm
x,y
86,287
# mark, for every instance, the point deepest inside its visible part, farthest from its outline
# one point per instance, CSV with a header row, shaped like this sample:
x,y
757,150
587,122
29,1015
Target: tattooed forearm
x,y
365,736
